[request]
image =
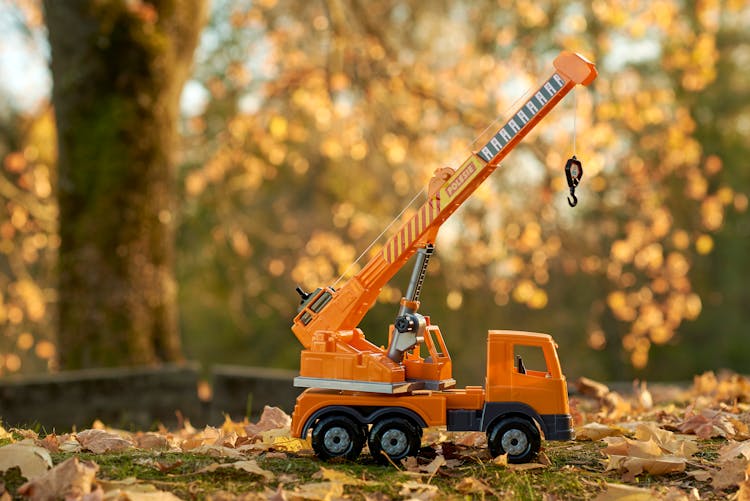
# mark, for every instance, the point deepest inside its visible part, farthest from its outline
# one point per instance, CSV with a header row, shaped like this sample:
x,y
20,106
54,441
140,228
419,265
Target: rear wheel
x,y
337,436
394,438
518,437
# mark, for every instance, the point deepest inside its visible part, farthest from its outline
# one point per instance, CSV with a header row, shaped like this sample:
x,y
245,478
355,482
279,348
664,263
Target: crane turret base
x,y
357,385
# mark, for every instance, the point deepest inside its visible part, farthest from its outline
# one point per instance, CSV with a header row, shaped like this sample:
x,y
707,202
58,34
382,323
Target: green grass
x,y
576,472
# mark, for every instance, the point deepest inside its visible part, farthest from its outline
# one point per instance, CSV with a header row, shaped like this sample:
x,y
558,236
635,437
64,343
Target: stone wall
x,y
140,398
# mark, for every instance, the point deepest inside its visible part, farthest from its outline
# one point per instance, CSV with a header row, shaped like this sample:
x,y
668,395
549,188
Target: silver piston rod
x,y
409,325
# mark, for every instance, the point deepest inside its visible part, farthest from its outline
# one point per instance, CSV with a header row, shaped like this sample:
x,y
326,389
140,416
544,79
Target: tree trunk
x,y
118,69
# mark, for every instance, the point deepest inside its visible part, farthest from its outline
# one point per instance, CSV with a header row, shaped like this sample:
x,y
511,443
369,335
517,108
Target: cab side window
x,y
531,359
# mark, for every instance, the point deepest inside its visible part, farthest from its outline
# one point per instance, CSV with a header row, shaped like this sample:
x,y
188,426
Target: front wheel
x,y
394,438
518,437
337,436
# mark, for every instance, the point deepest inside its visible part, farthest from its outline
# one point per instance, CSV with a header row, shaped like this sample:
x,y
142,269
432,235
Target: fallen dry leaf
x,y
471,485
411,465
472,439
700,475
272,418
343,478
734,450
317,491
642,396
619,492
417,490
70,479
99,441
68,443
527,466
623,446
731,473
33,460
726,387
132,490
501,460
207,436
631,466
230,426
50,442
597,431
591,388
217,451
708,424
632,457
743,494
281,439
668,441
151,441
249,466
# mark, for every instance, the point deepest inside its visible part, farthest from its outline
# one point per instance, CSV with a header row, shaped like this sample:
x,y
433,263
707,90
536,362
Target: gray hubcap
x,y
337,440
514,442
394,442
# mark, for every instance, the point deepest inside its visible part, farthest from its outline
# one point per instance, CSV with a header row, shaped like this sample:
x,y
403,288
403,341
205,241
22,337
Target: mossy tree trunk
x,y
118,69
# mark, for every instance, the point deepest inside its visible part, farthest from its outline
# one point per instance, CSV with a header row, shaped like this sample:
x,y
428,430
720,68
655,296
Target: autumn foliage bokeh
x,y
308,126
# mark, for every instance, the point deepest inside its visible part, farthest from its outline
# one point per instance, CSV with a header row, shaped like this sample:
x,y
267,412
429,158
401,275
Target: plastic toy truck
x,y
360,393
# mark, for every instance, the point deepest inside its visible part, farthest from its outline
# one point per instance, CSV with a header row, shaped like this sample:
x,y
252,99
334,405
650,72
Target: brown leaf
x,y
668,441
132,489
471,485
319,491
207,436
527,466
735,449
33,461
230,426
597,431
731,473
591,388
4,435
151,441
417,490
70,479
217,451
708,424
623,446
166,468
619,492
473,439
343,478
272,418
250,466
643,398
631,466
743,494
50,442
99,441
700,475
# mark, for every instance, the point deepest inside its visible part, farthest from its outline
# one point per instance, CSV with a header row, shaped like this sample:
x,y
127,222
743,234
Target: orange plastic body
x,y
326,325
545,392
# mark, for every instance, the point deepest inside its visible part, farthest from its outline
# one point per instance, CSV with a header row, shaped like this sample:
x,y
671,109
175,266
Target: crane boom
x,y
336,313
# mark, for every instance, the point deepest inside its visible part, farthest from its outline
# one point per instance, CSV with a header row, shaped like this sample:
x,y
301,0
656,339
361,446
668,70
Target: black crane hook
x,y
573,173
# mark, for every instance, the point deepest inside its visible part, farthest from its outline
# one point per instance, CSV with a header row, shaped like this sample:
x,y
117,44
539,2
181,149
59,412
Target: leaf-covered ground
x,y
672,444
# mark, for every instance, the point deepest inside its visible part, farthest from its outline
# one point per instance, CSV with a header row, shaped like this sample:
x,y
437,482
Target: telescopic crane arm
x,y
336,311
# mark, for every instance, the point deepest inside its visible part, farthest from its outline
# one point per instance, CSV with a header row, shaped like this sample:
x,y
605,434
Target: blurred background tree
x,y
307,126
118,70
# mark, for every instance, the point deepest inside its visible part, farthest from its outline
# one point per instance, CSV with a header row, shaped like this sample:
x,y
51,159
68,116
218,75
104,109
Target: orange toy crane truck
x,y
359,392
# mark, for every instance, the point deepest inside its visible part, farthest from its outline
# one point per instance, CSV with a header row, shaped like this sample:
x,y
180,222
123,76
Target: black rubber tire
x,y
338,436
396,437
516,436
